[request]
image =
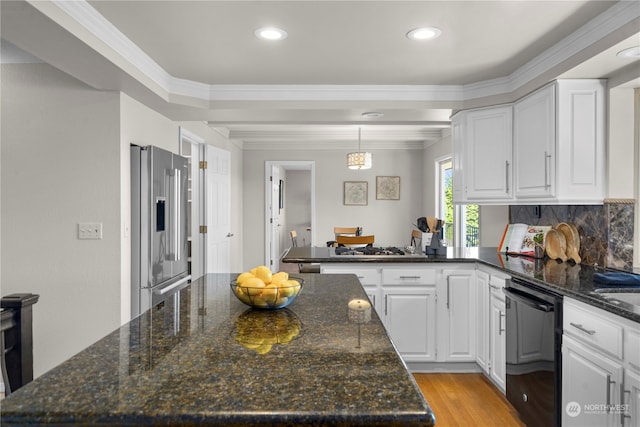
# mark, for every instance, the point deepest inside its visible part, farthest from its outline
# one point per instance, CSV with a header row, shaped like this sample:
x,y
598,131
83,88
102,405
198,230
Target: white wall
x,y
60,166
390,220
621,143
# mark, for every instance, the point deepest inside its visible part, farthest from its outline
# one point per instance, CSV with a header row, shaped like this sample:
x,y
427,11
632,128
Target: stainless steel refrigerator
x,y
159,226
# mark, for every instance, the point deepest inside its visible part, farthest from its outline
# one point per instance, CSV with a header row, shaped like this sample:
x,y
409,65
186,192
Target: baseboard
x,y
449,367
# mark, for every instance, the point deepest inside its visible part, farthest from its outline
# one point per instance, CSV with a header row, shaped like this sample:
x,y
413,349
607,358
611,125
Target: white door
x,y
273,212
218,210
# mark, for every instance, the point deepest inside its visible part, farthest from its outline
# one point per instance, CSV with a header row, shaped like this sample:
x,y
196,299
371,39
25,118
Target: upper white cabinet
x,y
548,147
483,166
559,143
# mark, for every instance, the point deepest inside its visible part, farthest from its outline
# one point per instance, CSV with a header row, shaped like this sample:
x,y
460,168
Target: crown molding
x,y
620,14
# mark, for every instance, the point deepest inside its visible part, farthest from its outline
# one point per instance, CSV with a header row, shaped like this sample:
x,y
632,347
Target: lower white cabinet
x,y
600,357
589,378
497,339
482,320
409,314
457,315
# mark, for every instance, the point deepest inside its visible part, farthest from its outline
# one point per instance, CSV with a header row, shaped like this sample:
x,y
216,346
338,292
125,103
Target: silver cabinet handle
x,y
547,161
409,277
497,288
374,300
500,327
609,382
582,328
448,292
506,174
623,414
385,304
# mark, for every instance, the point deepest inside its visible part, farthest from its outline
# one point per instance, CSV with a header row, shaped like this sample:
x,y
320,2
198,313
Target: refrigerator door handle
x,y
174,234
178,210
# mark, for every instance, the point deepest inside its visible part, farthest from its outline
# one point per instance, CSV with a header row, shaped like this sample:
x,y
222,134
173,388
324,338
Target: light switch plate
x,y
90,231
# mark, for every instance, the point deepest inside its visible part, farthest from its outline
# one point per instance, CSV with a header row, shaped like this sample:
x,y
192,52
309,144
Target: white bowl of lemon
x,y
261,288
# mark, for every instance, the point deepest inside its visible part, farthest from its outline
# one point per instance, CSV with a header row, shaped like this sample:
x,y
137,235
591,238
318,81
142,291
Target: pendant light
x,y
359,160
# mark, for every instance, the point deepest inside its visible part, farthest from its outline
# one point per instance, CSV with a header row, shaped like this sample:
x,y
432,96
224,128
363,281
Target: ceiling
x,y
200,60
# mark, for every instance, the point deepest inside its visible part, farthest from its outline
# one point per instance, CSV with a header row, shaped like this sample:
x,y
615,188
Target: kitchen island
x,y
564,278
202,357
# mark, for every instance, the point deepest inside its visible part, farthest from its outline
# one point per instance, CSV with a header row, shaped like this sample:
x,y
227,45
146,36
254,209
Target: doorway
x,y
289,205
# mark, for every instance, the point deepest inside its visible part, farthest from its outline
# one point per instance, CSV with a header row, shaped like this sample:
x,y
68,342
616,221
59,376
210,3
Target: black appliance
x,y
534,352
368,250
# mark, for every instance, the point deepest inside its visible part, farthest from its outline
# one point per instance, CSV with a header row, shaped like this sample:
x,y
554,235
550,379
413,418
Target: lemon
x,y
289,287
281,300
279,277
263,272
270,293
244,276
253,286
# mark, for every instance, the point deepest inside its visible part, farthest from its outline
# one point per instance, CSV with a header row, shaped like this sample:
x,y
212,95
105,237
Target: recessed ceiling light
x,y
372,114
632,52
271,33
424,33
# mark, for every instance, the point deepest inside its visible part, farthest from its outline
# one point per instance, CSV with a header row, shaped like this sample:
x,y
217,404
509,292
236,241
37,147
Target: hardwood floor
x,y
466,400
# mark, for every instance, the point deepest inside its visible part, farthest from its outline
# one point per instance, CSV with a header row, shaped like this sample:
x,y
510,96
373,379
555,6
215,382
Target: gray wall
x,y
60,166
297,205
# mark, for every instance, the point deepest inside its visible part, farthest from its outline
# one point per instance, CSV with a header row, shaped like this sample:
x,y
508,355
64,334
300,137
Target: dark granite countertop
x,y
567,279
204,358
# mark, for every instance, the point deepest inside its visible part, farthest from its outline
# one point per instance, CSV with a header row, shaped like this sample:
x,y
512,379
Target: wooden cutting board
x,y
555,245
572,239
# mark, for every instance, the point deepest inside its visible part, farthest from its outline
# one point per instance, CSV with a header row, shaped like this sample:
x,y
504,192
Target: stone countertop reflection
x,y
565,278
204,358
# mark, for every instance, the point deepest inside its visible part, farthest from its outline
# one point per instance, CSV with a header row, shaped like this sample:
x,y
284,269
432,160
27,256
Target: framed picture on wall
x,y
387,187
355,192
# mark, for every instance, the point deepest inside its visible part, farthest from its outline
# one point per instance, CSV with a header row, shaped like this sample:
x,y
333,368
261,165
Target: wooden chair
x,y
344,231
355,240
303,268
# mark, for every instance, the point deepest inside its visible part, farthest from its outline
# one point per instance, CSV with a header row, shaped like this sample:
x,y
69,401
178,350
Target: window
x,y
461,221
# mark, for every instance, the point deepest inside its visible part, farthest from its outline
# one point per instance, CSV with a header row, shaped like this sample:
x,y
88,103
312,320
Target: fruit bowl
x,y
261,330
258,294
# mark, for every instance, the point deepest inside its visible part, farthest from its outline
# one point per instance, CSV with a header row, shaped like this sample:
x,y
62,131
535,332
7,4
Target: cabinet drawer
x,y
366,277
392,276
593,328
632,347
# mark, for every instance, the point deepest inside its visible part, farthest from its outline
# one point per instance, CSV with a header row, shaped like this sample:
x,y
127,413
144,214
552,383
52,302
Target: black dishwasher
x,y
534,352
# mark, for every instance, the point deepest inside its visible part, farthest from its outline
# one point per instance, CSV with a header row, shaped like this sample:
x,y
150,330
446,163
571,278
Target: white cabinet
x,y
548,147
589,377
497,338
600,382
482,320
409,316
559,143
483,141
457,315
534,142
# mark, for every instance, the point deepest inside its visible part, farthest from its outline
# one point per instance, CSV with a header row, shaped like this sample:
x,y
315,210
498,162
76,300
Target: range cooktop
x,y
368,251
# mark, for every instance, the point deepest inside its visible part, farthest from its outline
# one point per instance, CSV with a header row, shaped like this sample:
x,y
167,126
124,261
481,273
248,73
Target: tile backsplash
x,y
606,231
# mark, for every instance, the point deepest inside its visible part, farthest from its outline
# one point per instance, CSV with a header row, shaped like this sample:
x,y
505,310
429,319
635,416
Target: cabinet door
x,y
482,324
498,342
590,382
457,316
631,416
488,154
457,137
410,316
534,140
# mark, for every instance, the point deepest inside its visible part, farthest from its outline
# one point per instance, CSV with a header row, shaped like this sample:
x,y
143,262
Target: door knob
x,y
229,234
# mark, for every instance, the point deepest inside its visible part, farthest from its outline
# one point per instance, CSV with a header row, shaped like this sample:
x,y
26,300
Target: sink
x,y
631,298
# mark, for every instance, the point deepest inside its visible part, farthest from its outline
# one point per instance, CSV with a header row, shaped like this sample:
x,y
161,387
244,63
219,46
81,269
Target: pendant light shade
x,y
359,159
